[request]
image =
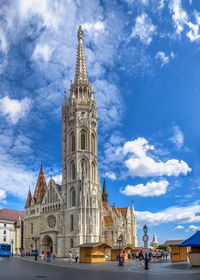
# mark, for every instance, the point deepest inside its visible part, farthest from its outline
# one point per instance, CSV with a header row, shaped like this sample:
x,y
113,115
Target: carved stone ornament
x,y
51,221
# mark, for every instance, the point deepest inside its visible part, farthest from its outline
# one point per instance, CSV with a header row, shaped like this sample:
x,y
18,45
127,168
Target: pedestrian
x,y
76,257
48,256
70,257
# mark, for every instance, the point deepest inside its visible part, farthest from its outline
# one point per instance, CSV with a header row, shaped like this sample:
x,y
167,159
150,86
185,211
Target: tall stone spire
x,y
81,88
81,75
104,192
40,187
154,242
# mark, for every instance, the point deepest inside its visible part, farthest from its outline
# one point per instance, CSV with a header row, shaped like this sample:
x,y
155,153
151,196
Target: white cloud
x,y
96,26
163,58
42,52
178,137
3,42
150,189
111,175
179,227
2,196
193,228
179,15
185,214
142,165
144,29
14,109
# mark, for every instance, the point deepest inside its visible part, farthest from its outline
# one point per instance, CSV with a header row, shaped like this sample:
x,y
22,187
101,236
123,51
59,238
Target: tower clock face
x,y
51,221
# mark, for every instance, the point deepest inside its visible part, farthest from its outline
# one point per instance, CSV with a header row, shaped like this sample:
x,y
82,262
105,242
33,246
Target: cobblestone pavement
x,y
27,269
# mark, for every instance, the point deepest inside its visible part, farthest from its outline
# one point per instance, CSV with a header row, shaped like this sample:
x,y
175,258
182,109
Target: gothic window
x,y
72,142
71,243
83,168
72,222
73,171
93,144
83,140
73,197
93,172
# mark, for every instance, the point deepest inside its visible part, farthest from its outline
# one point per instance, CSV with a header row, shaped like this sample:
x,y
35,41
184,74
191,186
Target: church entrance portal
x,y
47,244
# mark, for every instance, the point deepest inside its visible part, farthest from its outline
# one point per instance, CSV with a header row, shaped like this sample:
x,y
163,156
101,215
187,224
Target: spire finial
x,y
80,33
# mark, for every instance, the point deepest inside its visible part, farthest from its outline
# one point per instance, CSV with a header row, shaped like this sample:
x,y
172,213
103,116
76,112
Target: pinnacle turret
x,y
29,199
104,192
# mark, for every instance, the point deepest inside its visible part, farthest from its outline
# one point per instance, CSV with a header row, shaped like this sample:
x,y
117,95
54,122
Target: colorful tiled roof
x,y
28,200
40,187
11,215
115,211
123,211
108,220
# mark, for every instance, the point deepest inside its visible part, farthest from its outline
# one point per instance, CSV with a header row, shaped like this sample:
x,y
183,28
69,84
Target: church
x,y
59,218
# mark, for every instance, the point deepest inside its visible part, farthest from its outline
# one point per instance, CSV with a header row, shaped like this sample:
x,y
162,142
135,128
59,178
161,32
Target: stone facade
x,y
77,212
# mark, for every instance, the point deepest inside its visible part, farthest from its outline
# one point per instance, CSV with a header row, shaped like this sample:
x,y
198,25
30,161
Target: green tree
x,y
163,247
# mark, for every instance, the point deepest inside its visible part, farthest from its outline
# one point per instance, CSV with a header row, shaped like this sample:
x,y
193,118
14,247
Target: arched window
x,y
93,144
73,197
72,142
83,168
83,140
73,171
72,222
71,243
93,172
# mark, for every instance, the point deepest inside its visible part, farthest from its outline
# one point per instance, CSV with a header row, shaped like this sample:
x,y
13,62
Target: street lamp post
x,y
35,238
119,240
145,239
12,245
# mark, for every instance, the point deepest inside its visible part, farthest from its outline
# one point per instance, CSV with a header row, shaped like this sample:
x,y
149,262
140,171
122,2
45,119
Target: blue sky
x,y
143,61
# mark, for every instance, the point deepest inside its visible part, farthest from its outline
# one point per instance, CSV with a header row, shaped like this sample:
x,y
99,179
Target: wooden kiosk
x,y
115,251
193,242
93,252
178,254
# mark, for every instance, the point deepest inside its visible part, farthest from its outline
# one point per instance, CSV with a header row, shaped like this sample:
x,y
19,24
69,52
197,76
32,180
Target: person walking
x,y
70,257
48,256
76,257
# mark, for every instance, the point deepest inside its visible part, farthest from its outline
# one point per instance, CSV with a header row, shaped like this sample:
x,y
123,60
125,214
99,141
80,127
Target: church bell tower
x,y
80,182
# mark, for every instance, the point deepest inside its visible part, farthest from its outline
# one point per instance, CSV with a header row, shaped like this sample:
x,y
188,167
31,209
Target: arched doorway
x,y
47,243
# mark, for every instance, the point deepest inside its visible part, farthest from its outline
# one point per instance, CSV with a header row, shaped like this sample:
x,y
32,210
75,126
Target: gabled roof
x,y
11,215
106,208
192,241
173,242
95,244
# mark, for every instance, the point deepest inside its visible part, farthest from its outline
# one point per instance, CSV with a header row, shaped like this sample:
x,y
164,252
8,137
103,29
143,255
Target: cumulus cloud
x,y
14,109
179,227
163,58
178,137
150,189
142,165
42,52
178,214
144,29
96,26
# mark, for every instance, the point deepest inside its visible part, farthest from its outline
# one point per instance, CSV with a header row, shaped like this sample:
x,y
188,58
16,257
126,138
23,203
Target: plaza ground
x,y
26,268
